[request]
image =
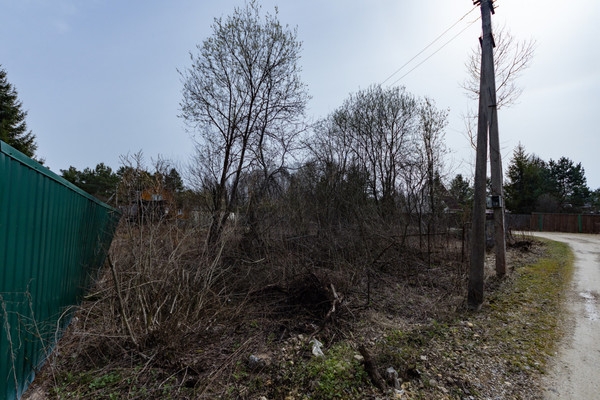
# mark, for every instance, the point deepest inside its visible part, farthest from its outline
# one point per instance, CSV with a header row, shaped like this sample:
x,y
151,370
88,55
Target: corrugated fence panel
x,y
53,240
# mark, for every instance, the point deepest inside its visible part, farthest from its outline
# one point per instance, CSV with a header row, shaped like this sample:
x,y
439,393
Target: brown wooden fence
x,y
571,223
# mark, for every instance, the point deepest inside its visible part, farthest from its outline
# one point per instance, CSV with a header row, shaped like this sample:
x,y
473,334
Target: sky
x,y
99,78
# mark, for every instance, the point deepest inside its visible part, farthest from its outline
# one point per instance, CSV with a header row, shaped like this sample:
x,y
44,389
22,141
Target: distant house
x,y
150,204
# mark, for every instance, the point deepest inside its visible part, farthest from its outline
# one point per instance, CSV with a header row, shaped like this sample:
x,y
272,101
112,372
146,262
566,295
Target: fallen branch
x,y
337,299
371,368
268,288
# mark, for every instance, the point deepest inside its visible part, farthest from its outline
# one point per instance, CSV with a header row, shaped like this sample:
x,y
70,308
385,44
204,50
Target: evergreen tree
x,y
100,182
568,184
595,201
173,181
73,175
13,129
461,190
526,181
534,185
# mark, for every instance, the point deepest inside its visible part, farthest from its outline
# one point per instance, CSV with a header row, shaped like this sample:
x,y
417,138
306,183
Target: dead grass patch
x,y
196,319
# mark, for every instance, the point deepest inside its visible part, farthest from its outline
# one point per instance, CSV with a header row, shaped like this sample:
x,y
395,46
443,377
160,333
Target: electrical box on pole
x,y
494,202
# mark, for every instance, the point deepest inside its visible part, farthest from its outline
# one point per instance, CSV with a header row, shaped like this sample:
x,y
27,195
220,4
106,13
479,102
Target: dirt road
x,y
576,370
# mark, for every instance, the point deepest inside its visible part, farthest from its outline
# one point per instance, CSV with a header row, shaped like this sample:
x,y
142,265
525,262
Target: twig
x,y
10,342
121,302
272,287
337,299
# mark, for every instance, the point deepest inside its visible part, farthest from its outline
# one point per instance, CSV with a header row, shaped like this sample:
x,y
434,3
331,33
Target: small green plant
x,y
88,385
104,381
337,375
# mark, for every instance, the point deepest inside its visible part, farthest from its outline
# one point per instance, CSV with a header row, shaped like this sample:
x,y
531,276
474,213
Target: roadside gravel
x,y
575,373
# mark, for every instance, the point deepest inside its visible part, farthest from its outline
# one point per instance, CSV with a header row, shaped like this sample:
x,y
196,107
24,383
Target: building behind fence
x,y
53,239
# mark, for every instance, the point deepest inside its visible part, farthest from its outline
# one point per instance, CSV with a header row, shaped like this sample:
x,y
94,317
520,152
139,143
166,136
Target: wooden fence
x,y
570,223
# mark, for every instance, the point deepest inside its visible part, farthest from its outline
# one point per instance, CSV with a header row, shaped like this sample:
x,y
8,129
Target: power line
x,y
434,53
429,45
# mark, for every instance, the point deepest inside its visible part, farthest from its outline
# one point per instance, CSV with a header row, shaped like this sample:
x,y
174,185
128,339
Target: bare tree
x,y
511,58
394,138
244,98
379,125
432,149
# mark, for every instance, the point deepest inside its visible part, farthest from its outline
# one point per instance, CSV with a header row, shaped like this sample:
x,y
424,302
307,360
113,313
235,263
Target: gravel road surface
x,y
575,373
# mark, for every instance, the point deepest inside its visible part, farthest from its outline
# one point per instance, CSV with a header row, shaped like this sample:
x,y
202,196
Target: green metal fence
x,y
53,240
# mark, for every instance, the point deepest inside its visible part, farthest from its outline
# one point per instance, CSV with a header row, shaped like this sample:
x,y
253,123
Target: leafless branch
x,y
511,58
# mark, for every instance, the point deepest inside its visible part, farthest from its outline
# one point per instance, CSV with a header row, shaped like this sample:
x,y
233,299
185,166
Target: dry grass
x,y
170,320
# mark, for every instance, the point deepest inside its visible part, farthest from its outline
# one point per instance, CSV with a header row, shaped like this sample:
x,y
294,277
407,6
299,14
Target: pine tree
x,y
461,190
100,182
568,184
173,181
526,181
13,129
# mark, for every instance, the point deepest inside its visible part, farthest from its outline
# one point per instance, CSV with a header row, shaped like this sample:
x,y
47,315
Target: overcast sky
x,y
99,77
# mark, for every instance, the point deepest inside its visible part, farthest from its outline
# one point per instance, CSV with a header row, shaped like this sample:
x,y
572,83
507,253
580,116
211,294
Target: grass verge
x,y
499,352
526,312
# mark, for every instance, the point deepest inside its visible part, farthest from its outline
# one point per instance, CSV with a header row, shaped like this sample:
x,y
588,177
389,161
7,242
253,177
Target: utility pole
x,y
487,123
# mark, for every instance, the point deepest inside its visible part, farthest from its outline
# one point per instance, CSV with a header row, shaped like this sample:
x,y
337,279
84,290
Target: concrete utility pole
x,y
487,123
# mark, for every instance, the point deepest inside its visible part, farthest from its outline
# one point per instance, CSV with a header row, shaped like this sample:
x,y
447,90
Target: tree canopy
x,y
13,128
461,190
389,139
554,186
105,184
526,181
568,183
100,182
511,58
244,99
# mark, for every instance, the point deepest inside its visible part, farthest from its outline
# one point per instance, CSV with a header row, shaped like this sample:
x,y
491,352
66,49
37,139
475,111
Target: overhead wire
x,y
431,44
435,52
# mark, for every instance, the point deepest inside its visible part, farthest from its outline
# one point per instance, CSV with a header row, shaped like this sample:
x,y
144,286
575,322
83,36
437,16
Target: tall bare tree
x,y
432,148
244,98
394,138
379,126
511,57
